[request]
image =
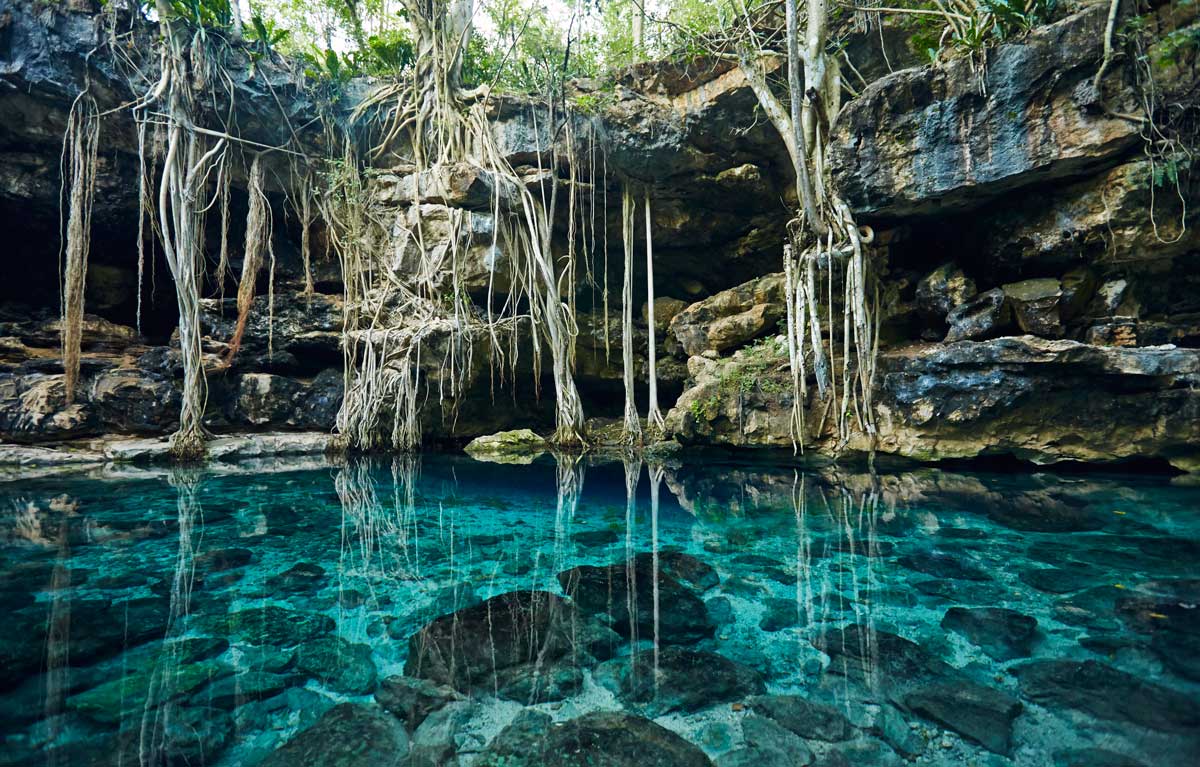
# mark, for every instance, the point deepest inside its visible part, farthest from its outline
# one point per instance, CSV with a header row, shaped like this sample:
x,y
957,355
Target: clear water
x,y
194,618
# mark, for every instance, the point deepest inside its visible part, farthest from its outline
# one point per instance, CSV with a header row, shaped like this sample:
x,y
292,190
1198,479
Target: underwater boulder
x,y
470,646
598,739
626,594
1003,634
674,679
348,735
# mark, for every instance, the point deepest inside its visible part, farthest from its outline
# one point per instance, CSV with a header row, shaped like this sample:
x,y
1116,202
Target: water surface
x,y
438,610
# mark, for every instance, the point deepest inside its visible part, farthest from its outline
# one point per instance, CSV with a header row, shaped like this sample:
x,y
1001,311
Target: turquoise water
x,y
441,611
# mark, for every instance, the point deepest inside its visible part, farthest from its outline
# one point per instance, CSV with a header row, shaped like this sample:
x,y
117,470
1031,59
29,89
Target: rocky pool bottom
x,y
440,611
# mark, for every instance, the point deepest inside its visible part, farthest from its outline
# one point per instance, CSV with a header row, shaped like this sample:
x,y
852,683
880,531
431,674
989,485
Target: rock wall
x,y
1039,276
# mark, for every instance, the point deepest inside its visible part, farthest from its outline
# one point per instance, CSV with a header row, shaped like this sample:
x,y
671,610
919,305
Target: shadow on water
x,y
434,610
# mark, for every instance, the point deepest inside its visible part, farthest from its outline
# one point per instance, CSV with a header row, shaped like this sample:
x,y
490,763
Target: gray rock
x,y
978,713
779,614
436,742
986,316
943,289
763,734
468,647
1036,306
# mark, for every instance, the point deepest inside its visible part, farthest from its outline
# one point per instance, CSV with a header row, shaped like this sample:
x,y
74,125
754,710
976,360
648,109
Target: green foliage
x,y
265,34
1175,46
212,14
1013,17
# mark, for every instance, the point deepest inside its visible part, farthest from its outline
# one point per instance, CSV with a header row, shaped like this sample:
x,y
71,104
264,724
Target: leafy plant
x,y
265,34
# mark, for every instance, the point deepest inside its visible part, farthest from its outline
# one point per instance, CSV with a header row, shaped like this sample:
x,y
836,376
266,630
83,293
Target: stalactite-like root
x,y
258,242
79,157
632,426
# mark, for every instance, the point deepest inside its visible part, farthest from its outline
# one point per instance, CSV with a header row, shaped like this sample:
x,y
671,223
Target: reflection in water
x,y
896,608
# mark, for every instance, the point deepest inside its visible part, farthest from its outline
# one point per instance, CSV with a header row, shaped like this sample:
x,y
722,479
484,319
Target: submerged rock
x,y
348,735
412,700
277,626
1106,693
626,594
598,739
1002,634
978,713
674,679
338,664
470,646
805,718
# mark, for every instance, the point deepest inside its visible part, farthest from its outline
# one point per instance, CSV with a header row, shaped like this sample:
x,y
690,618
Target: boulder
x,y
673,679
729,319
807,719
625,594
518,446
986,316
412,700
665,310
598,739
348,735
942,290
1003,634
339,665
471,646
1035,305
1107,693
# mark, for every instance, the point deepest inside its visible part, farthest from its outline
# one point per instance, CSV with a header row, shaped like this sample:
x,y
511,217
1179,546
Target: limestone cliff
x,y
1039,300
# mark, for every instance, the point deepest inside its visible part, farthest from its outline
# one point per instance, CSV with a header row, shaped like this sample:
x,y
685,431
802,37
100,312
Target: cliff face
x,y
1039,301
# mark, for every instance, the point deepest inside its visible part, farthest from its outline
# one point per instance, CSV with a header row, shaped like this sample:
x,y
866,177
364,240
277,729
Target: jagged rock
x,y
1003,634
1106,693
674,679
1035,305
943,289
348,735
598,739
986,316
437,741
1101,218
681,616
731,318
925,140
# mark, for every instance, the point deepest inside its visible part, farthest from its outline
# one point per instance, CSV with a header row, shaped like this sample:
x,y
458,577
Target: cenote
x,y
438,610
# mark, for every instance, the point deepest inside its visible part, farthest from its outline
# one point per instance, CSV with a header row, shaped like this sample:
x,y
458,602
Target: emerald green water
x,y
756,614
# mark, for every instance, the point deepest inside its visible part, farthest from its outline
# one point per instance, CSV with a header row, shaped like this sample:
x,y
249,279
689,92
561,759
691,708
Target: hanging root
x,y
632,430
79,159
258,241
